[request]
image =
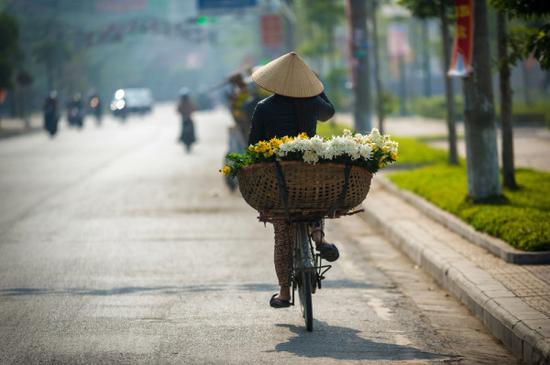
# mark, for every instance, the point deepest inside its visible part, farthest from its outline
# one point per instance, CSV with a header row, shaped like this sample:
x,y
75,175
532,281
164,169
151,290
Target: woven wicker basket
x,y
312,189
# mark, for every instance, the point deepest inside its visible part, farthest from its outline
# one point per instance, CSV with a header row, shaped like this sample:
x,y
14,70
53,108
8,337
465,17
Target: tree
x,y
53,55
9,34
535,40
319,20
479,116
424,9
508,173
537,36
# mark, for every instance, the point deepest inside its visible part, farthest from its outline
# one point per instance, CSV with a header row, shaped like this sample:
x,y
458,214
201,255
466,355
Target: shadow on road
x,y
346,344
163,290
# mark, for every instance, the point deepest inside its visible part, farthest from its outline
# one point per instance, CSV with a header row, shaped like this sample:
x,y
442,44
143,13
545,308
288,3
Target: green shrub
x,y
523,220
436,107
537,112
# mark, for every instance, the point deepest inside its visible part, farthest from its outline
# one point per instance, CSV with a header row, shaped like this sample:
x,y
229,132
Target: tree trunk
x,y
449,91
526,83
508,174
360,64
377,78
479,116
402,86
426,58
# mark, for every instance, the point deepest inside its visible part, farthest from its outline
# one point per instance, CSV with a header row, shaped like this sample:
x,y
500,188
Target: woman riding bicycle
x,y
295,107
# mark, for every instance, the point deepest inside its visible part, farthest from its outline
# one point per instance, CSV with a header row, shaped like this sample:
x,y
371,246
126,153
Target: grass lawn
x,y
328,129
523,220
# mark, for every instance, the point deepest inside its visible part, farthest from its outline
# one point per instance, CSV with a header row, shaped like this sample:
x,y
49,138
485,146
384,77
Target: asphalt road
x,y
117,247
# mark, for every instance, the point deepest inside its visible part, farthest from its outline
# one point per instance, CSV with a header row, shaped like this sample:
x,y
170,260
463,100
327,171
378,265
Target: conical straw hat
x,y
288,75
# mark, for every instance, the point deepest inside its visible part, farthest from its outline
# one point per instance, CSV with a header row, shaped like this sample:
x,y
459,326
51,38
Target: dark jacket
x,y
279,116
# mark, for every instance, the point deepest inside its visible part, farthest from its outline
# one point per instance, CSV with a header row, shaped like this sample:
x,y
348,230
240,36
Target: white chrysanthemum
x,y
365,151
376,138
318,145
310,157
339,146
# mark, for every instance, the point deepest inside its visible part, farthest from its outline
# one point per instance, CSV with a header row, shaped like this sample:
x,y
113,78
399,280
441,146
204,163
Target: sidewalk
x,y
512,301
10,127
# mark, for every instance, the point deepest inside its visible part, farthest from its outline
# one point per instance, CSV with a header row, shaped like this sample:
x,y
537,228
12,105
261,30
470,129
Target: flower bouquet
x,y
316,173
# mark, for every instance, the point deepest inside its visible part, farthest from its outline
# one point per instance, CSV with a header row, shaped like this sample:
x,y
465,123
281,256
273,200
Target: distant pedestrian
x,y
51,115
186,109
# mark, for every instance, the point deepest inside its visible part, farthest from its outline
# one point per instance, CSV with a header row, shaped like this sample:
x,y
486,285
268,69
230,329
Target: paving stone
x,y
496,291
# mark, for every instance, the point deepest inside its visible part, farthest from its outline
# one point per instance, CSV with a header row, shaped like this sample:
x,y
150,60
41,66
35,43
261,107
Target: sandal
x,y
278,303
328,251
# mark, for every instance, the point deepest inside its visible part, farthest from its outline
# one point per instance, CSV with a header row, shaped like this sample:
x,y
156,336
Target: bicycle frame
x,y
304,258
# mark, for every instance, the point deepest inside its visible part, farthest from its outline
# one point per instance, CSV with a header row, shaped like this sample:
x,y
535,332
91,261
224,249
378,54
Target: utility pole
x,y
357,14
479,115
426,69
377,71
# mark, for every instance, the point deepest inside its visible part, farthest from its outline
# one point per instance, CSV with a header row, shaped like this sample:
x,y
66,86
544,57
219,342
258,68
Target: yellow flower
x,y
394,155
302,135
262,147
251,148
275,143
226,170
382,162
286,139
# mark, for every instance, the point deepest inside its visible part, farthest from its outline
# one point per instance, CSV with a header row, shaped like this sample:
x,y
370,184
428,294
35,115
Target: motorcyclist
x,y
94,107
185,109
51,115
75,114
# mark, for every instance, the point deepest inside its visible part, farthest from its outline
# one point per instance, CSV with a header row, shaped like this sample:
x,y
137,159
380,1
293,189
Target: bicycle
x,y
307,271
270,195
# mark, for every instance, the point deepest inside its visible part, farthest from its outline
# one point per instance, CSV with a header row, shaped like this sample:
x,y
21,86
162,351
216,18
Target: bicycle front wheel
x,y
304,288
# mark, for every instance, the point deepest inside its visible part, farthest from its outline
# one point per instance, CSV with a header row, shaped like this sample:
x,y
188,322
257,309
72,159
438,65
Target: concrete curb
x,y
494,245
508,318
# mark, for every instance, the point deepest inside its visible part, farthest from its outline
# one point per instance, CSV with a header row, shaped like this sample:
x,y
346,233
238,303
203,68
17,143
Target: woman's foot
x,y
328,251
277,302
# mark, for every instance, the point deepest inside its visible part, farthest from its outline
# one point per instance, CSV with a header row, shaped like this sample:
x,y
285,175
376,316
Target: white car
x,y
132,100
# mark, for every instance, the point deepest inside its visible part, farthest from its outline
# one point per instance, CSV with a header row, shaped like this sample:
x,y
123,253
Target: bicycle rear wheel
x,y
304,289
304,266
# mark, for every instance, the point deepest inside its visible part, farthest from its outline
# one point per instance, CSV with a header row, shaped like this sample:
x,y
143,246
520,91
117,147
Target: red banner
x,y
461,63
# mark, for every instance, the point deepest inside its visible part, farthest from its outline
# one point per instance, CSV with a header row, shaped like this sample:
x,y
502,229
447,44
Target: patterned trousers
x,y
284,237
